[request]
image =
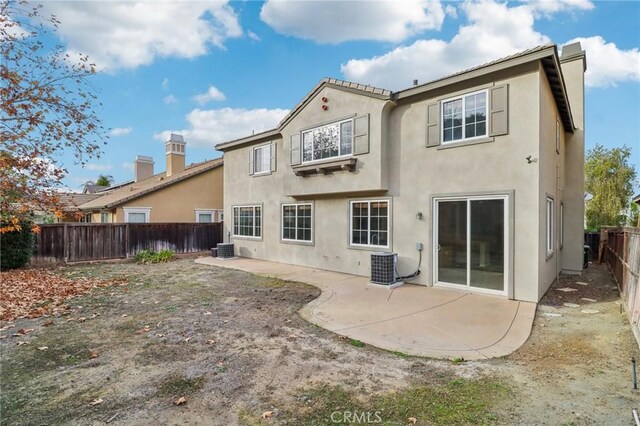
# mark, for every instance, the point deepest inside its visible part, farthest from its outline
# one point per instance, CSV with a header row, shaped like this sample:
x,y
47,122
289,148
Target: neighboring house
x,y
181,194
484,168
636,200
90,188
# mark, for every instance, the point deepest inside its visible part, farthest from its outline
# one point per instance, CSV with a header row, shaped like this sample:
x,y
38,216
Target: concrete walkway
x,y
412,319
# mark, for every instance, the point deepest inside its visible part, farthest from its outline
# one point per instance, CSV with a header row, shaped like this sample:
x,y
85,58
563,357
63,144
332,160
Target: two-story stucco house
x,y
477,177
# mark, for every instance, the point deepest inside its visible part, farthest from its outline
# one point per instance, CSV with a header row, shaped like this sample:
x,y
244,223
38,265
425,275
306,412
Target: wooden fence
x,y
76,242
621,251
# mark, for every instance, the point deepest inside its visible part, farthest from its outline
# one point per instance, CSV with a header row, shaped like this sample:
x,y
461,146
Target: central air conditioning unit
x,y
383,269
225,250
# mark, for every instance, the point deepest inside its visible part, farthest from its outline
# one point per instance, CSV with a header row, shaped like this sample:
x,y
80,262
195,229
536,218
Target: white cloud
x,y
336,22
606,64
253,36
127,166
493,30
98,167
209,127
212,94
127,34
165,84
548,7
170,99
120,131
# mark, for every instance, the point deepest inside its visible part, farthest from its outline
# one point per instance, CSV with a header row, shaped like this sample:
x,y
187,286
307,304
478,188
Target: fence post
x,y
65,243
625,256
126,241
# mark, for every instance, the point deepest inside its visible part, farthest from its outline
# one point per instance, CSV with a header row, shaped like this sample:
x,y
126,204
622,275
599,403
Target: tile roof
x,y
113,198
71,200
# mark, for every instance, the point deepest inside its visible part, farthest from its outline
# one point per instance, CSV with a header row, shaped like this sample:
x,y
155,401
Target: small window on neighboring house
x,y
550,224
464,117
104,217
561,230
205,218
86,218
370,223
247,221
137,215
297,222
331,140
262,159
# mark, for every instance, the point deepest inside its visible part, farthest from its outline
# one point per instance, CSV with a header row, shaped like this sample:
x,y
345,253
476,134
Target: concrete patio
x,y
412,319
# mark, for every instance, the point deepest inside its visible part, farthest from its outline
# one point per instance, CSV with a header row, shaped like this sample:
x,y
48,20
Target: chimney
x,y
143,168
175,150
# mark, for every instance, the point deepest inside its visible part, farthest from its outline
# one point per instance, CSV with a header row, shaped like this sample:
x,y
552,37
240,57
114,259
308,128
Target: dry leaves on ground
x,y
32,293
180,401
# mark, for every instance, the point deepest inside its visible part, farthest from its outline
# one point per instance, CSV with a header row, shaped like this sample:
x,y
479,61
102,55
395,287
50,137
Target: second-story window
x,y
331,140
464,117
262,159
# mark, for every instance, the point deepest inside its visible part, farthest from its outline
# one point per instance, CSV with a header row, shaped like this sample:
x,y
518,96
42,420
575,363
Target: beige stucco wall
x,y
572,256
551,165
178,202
401,169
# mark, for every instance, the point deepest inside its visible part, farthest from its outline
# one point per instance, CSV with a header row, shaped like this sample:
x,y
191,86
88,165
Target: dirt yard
x,y
232,346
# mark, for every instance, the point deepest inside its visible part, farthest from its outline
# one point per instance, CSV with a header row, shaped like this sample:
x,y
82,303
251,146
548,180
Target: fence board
x,y
75,242
622,254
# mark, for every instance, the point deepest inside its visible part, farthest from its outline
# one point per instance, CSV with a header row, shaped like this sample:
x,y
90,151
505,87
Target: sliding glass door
x,y
470,242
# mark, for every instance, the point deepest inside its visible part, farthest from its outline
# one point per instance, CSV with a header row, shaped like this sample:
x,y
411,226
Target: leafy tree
x,y
46,107
610,178
104,180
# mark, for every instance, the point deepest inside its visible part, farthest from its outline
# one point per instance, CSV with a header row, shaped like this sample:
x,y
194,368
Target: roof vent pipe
x,y
415,82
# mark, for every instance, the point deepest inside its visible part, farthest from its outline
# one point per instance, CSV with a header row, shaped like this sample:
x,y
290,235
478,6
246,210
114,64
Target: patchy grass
x,y
357,343
176,386
458,360
456,402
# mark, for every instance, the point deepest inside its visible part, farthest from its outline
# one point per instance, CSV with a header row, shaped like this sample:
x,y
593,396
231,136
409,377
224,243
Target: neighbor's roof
x,y
70,201
636,199
154,183
547,54
92,189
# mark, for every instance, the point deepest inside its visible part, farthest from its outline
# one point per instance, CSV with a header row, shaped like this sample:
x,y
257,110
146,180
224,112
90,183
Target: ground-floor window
x,y
137,215
297,222
205,216
549,226
104,217
247,221
370,223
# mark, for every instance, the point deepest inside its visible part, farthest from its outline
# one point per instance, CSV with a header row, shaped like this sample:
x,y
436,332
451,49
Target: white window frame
x,y
212,212
295,240
233,225
550,235
145,210
369,201
464,107
339,123
268,159
561,225
102,216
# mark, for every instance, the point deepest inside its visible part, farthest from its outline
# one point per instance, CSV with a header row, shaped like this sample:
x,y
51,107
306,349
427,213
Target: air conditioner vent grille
x,y
383,268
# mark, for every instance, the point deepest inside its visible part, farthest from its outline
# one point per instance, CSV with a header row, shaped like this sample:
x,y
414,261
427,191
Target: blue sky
x,y
216,70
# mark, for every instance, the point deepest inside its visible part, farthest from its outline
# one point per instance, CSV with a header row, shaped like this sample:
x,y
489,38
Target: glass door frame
x,y
507,246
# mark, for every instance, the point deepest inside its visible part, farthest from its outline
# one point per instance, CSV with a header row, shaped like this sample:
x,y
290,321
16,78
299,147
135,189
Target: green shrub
x,y
151,256
16,247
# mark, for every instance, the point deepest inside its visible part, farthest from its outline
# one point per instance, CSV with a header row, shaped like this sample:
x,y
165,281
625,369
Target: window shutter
x,y
295,149
273,156
361,135
433,124
250,161
499,115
